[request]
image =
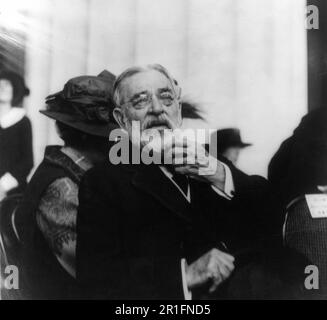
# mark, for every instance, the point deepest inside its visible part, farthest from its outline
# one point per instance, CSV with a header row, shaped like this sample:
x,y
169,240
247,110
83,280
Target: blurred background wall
x,y
243,61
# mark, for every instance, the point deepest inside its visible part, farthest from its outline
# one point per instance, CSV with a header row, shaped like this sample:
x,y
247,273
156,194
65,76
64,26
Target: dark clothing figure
x,y
16,153
49,209
134,227
299,166
53,188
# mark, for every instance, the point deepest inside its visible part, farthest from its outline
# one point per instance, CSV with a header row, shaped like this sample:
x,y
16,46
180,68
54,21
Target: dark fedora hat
x,y
229,137
19,88
85,103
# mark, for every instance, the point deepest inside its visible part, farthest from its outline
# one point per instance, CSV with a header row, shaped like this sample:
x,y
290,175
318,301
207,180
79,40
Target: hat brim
x,y
101,130
244,145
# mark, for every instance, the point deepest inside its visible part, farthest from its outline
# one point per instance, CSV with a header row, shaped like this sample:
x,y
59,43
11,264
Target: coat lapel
x,y
153,181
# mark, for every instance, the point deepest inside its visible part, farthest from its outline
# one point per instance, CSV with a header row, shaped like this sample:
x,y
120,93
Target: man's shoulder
x,y
107,172
107,168
104,181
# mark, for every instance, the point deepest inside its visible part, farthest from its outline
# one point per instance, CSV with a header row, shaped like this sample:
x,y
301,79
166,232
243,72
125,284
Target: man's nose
x,y
156,106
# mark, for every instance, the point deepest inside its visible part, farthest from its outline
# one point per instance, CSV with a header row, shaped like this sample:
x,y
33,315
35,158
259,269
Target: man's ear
x,y
119,117
180,117
178,91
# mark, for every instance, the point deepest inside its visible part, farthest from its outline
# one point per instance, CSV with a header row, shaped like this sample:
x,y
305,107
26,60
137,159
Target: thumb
x,y
322,189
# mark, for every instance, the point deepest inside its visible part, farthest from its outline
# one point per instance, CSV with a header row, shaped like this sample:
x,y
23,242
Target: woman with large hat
x,y
16,154
47,215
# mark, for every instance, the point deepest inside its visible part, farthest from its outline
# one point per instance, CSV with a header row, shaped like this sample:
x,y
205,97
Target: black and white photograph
x,y
163,150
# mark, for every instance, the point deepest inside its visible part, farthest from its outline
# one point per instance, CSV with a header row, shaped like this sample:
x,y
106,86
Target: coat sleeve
x,y
257,211
104,269
56,218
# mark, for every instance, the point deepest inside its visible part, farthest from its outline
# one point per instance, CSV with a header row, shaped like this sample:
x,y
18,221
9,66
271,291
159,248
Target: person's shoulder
x,y
106,168
101,169
25,119
24,123
17,121
102,182
313,122
104,173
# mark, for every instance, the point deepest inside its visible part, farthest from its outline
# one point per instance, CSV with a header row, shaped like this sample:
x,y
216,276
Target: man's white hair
x,y
117,96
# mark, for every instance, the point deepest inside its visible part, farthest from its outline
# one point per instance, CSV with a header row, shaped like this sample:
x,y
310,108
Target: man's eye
x,y
167,98
143,99
165,95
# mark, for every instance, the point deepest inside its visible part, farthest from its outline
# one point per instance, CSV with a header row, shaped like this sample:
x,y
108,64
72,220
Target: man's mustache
x,y
157,122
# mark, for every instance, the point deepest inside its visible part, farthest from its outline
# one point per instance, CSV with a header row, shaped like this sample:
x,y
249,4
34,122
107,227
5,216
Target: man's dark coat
x,y
134,227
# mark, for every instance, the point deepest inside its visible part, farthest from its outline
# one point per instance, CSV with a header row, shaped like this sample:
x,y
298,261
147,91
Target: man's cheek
x,y
134,115
174,115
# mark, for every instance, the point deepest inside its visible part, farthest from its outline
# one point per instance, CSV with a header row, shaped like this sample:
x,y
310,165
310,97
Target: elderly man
x,y
164,232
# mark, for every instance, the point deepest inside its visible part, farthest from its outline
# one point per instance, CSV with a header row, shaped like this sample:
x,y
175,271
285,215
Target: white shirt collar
x,y
169,175
13,116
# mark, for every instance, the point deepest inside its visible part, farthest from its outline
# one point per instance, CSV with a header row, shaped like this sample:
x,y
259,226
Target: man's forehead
x,y
151,80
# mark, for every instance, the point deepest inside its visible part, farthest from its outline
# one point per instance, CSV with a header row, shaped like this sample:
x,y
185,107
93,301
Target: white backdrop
x,y
244,61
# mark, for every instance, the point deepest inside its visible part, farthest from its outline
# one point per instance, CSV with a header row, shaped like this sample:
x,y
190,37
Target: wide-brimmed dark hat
x,y
85,103
19,88
229,137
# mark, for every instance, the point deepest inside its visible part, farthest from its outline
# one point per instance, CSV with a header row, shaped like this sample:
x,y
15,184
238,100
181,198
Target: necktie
x,y
182,181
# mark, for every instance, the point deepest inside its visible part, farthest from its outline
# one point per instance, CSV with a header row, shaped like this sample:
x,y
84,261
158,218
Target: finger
x,y
221,260
224,254
179,156
196,275
227,256
225,268
175,158
226,261
218,252
225,271
195,157
216,281
190,172
218,272
202,162
214,287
